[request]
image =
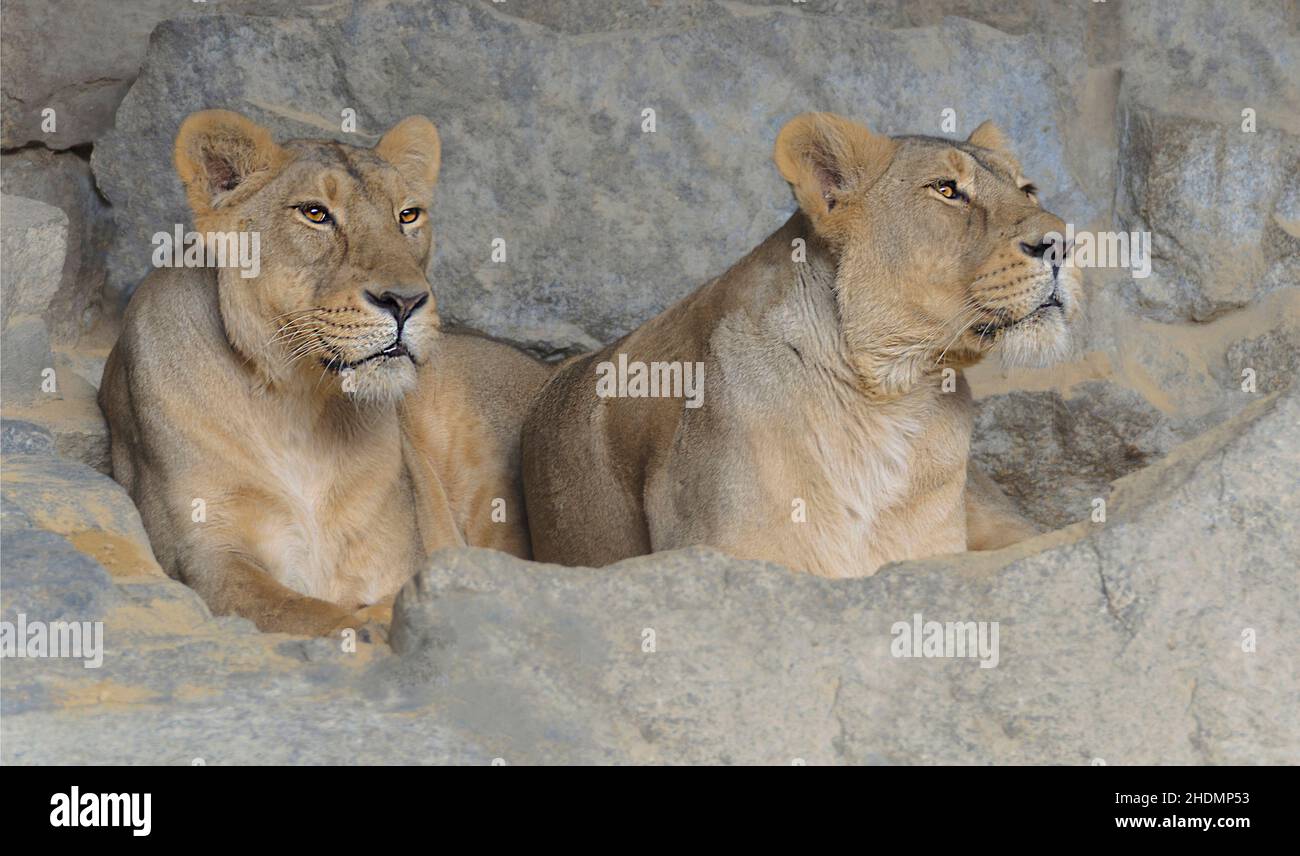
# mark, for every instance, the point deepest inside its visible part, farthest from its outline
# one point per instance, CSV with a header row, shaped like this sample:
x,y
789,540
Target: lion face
x,y
341,299
943,252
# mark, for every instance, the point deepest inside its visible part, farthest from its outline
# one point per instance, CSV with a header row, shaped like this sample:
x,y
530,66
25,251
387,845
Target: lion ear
x,y
219,150
988,136
821,154
415,149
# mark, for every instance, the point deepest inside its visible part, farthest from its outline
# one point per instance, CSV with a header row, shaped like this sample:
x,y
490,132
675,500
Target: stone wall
x,y
1123,639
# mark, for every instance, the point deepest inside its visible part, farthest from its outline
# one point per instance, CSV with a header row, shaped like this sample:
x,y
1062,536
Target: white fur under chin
x,y
1036,343
376,384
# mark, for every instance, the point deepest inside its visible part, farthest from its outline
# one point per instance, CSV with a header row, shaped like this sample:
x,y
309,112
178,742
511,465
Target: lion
x,y
300,440
833,428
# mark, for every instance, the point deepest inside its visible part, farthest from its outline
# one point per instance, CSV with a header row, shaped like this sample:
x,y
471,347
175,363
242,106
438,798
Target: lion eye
x,y
407,216
947,189
315,213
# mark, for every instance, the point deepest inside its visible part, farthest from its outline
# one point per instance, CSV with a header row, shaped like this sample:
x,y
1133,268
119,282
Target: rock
x,y
24,357
1054,455
24,438
1271,360
70,413
33,238
64,56
1124,641
1204,58
1207,192
63,179
89,509
48,578
603,224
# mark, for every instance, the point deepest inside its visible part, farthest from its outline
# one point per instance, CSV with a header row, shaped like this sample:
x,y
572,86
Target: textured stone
x,y
71,500
63,179
604,225
1208,192
1054,455
1120,641
78,58
33,239
24,438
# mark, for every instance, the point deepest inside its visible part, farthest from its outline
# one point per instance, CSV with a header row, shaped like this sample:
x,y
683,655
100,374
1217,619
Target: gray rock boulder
x,y
78,59
1216,201
1053,455
70,499
63,180
603,223
33,239
1159,637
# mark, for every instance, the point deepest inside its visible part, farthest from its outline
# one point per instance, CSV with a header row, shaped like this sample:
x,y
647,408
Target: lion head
x,y
942,250
341,294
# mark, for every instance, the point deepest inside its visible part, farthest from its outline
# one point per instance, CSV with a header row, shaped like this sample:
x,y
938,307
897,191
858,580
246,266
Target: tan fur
x,y
827,440
284,467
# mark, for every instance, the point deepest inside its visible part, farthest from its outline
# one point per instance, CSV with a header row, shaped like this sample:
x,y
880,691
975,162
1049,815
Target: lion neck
x,y
868,344
300,387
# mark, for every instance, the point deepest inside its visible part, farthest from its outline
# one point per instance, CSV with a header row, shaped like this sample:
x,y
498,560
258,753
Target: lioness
x,y
826,439
298,441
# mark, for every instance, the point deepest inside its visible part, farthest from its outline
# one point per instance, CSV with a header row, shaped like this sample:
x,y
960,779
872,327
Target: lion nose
x,y
400,304
1050,247
1039,248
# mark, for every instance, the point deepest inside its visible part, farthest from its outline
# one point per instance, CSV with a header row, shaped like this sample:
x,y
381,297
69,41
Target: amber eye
x,y
947,189
407,216
315,213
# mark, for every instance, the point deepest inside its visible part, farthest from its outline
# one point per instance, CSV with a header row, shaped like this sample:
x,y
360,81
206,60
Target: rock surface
x,y
1054,456
1216,199
1161,636
63,180
603,223
78,59
33,239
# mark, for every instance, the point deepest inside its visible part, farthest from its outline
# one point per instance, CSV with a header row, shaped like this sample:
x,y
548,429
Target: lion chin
x,y
1045,337
1036,342
380,382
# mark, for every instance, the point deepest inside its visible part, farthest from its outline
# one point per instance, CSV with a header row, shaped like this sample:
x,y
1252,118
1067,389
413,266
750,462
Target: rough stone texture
x,y
1121,641
1273,357
1055,455
33,238
604,225
1210,59
70,499
79,57
72,416
1215,199
63,179
24,438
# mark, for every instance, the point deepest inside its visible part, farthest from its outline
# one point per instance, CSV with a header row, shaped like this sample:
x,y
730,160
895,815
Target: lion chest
x,y
876,485
331,527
